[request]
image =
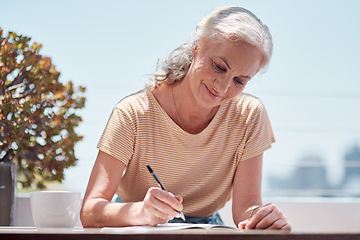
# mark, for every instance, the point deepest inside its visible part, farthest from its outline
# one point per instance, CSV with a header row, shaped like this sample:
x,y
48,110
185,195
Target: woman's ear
x,y
195,48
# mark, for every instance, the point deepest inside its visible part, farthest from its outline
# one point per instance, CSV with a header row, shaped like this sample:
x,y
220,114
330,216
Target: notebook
x,y
171,228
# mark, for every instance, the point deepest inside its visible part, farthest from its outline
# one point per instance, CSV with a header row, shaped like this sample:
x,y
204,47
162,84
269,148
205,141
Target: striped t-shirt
x,y
199,167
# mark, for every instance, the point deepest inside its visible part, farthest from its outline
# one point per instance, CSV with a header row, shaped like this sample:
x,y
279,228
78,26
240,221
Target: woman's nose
x,y
221,85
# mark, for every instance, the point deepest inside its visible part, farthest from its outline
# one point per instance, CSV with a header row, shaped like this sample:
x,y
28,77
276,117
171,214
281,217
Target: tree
x,y
38,113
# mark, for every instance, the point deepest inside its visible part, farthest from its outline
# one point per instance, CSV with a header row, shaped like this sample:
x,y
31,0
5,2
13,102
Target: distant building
x,y
310,174
308,178
351,178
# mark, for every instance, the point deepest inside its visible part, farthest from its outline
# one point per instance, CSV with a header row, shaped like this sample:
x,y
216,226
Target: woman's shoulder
x,y
135,100
245,106
245,100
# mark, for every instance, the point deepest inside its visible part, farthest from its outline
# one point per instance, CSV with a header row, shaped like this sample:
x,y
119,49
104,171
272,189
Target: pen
x,y
163,188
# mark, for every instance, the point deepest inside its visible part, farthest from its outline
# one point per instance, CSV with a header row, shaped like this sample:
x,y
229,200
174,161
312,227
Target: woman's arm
x,y
247,188
248,211
98,210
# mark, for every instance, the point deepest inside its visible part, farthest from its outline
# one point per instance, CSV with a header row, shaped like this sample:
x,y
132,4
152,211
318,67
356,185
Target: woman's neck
x,y
181,106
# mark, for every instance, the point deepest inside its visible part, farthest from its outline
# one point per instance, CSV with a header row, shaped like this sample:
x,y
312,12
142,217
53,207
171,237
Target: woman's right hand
x,y
160,206
98,211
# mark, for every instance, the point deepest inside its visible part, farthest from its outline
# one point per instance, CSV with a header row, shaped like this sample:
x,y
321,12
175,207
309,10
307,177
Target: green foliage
x,y
38,113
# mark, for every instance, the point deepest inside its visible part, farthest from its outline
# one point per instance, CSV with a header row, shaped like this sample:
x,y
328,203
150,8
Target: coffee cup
x,y
55,209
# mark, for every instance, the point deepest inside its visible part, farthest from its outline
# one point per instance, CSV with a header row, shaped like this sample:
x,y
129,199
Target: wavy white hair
x,y
236,24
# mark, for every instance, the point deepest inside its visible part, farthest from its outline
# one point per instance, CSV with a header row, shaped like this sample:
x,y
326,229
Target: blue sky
x,y
311,89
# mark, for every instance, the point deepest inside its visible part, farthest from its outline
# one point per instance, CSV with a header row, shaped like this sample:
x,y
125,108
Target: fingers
x,y
179,198
242,224
169,201
160,206
267,217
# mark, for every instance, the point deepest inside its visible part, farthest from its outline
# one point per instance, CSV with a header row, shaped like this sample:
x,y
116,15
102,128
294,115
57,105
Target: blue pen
x,y
163,188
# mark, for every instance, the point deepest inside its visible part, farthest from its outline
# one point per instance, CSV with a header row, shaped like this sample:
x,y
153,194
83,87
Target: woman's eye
x,y
218,67
238,81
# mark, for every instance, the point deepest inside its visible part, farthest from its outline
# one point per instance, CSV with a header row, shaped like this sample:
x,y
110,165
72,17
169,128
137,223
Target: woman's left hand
x,y
268,216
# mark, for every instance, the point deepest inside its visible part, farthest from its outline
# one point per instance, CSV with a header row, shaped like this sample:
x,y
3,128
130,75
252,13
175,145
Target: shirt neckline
x,y
174,124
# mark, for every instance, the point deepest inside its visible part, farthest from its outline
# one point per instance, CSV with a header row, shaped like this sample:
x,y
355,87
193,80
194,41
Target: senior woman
x,y
200,133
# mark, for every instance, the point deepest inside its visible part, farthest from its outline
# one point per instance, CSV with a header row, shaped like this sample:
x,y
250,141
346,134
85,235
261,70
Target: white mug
x,y
55,209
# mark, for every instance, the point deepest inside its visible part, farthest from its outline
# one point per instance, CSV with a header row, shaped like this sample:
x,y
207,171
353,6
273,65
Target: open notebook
x,y
171,228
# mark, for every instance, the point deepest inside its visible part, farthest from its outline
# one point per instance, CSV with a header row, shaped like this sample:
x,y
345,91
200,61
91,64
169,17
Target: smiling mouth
x,y
212,93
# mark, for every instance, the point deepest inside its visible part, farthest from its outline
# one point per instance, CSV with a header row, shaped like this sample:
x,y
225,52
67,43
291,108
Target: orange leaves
x,y
38,112
36,47
4,69
45,63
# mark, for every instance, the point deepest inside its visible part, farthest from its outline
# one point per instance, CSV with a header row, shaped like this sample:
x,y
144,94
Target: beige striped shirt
x,y
199,167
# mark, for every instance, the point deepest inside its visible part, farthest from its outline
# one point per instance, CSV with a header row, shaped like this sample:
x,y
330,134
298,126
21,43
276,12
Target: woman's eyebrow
x,y
227,64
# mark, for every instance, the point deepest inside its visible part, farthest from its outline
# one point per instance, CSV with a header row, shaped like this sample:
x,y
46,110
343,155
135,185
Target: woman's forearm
x,y
97,213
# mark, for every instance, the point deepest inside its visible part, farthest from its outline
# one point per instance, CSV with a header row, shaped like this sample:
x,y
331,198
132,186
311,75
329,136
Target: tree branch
x,y
24,170
19,78
8,156
25,94
17,82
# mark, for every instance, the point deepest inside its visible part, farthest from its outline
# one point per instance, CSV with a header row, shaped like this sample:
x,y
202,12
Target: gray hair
x,y
236,24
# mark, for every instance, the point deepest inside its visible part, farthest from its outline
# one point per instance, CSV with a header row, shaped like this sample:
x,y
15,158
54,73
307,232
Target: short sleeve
x,y
258,136
118,137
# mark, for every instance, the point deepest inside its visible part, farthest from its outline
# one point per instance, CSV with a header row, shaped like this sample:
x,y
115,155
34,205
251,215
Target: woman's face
x,y
221,70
